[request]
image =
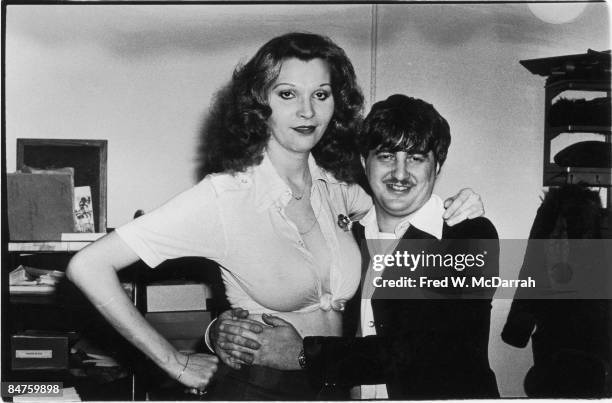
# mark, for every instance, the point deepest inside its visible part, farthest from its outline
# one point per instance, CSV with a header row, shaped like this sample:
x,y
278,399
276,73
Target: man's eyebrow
x,y
393,150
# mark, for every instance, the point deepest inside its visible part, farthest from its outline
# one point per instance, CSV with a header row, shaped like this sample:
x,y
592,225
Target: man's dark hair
x,y
402,123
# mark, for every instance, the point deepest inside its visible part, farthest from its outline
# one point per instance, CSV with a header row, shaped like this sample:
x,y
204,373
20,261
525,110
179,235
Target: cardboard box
x,y
166,297
180,325
39,206
39,352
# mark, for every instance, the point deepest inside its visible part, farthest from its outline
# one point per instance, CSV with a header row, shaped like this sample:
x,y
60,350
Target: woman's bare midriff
x,y
315,323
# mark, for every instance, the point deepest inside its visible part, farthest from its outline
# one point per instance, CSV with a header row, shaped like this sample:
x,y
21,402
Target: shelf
x,y
554,131
564,119
67,310
578,85
33,299
556,176
53,246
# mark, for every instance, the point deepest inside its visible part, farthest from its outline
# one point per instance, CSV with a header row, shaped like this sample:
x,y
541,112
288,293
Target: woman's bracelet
x,y
183,370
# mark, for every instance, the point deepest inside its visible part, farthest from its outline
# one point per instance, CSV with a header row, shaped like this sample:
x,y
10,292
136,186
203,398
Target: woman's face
x,y
302,104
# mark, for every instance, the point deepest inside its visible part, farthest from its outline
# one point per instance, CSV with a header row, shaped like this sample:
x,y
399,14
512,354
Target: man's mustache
x,y
398,182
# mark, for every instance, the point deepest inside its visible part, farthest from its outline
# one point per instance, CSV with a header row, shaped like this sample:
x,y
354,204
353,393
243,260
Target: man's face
x,y
401,182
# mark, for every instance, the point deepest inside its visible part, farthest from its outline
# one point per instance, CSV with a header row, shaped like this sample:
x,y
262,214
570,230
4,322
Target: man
x,y
414,344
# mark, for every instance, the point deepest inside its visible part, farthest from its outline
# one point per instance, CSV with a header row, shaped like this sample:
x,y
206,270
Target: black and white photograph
x,y
312,200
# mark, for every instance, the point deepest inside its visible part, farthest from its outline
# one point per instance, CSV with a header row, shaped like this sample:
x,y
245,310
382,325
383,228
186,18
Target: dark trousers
x,y
259,383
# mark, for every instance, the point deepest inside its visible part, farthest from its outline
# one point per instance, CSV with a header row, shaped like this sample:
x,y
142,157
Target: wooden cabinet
x,y
577,102
65,313
578,106
554,127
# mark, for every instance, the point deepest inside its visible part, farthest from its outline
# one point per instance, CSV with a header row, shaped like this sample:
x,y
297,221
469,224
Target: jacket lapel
x,y
352,311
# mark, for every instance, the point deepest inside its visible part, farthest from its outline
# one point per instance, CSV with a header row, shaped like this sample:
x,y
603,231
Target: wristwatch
x,y
302,359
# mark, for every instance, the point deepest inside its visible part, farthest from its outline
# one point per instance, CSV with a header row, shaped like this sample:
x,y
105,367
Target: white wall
x,y
143,76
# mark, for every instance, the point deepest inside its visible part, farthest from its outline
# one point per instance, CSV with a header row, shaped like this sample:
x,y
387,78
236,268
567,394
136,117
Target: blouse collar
x,y
271,189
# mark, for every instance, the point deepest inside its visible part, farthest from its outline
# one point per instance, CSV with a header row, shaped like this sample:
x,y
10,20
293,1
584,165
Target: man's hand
x,y
233,331
279,346
465,205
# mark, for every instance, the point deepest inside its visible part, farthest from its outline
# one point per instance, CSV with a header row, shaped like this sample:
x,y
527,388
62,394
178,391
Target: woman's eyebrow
x,y
293,85
279,84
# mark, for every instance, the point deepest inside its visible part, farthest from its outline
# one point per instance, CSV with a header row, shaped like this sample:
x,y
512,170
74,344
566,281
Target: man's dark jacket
x,y
424,348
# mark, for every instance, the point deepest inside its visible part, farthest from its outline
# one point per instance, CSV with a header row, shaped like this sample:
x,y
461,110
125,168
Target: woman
x,y
268,216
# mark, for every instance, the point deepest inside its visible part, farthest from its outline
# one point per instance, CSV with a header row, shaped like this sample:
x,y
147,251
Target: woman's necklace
x,y
316,219
303,188
300,196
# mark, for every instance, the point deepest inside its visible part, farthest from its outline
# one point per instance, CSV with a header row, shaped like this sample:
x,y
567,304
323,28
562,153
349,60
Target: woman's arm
x,y
466,204
94,271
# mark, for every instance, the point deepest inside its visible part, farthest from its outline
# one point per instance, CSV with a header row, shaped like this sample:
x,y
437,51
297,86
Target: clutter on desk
x,y
31,280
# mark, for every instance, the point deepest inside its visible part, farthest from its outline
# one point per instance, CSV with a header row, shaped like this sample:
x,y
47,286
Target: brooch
x,y
344,222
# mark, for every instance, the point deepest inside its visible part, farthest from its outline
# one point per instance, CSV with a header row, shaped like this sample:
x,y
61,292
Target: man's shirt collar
x,y
428,219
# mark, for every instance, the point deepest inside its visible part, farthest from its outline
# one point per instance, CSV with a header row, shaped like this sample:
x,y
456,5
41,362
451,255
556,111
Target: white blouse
x,y
239,221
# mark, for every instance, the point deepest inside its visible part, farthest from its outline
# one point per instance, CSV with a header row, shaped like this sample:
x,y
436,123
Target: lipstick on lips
x,y
306,129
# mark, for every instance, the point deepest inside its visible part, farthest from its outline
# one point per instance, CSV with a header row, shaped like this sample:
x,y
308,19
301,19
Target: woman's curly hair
x,y
241,110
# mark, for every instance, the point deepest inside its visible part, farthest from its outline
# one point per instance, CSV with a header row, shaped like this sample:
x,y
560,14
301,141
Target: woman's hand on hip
x,y
195,370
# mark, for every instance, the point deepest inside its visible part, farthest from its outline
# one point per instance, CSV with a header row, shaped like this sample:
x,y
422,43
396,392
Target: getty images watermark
x,y
486,268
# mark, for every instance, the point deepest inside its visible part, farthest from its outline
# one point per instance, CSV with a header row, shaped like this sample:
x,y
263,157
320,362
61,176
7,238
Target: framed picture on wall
x,y
86,157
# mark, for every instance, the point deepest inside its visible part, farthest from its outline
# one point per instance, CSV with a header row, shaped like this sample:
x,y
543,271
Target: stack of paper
x,y
30,280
